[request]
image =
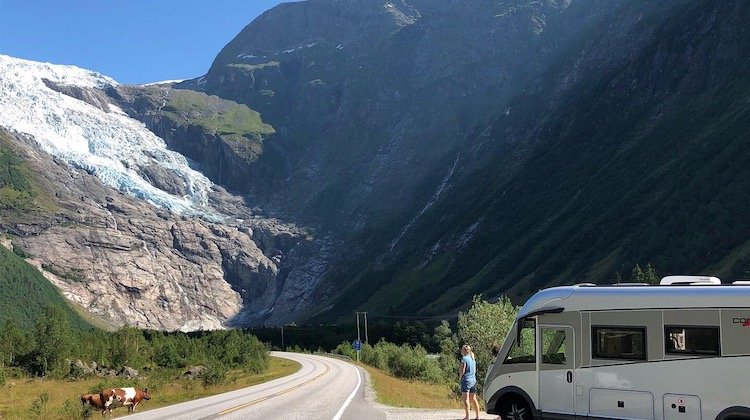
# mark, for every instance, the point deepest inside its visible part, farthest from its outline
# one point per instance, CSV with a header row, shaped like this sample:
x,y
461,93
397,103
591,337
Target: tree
x,y
52,335
637,275
650,276
129,347
13,342
483,325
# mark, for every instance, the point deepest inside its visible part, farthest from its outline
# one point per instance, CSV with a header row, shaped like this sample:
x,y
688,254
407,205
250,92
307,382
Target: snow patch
x,y
164,82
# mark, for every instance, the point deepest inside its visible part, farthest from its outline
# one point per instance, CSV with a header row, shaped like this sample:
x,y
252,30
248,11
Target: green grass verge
x,y
397,392
20,398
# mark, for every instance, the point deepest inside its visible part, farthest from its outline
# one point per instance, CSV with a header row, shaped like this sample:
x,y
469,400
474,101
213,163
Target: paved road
x,y
324,388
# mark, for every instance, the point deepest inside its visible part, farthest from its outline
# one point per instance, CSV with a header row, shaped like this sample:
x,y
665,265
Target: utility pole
x,y
367,340
358,336
282,338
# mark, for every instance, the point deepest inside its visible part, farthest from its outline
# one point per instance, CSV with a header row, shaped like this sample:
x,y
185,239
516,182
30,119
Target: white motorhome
x,y
679,350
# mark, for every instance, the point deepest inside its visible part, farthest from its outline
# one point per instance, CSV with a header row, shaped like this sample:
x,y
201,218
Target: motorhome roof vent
x,y
742,282
688,280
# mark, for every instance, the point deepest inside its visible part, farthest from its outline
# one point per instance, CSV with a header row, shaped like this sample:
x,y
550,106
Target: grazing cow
x,y
131,397
108,397
97,401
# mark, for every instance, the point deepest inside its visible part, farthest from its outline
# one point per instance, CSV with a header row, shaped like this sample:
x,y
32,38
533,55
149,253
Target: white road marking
x,y
350,398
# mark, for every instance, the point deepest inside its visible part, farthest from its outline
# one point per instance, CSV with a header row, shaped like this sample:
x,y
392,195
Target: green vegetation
x,y
254,66
225,117
24,293
483,325
16,189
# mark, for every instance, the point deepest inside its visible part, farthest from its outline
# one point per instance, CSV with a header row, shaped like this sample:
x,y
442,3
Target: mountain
x,y
498,147
607,161
396,157
125,227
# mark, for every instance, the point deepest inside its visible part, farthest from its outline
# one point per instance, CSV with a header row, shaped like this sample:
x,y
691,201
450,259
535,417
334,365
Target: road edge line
x,y
351,396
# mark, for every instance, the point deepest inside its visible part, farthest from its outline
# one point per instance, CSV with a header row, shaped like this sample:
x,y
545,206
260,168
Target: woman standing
x,y
467,376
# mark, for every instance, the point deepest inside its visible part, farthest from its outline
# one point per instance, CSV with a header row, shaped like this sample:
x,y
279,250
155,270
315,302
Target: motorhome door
x,y
556,369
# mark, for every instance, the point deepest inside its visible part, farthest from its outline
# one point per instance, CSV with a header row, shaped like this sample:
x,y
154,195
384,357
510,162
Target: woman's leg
x,y
475,402
465,396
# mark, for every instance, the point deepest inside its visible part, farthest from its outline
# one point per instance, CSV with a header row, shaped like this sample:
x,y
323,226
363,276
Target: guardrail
x,y
334,356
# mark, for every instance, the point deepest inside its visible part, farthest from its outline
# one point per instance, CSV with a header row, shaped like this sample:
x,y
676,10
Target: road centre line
x,y
276,394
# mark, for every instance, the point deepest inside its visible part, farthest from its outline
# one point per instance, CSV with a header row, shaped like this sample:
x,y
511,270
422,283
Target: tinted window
x,y
627,343
702,341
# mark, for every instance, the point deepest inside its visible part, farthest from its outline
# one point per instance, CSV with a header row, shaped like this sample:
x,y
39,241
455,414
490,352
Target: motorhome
x,y
678,350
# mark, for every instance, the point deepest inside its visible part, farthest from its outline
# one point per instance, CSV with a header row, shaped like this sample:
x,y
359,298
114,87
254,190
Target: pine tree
x,y
650,276
637,275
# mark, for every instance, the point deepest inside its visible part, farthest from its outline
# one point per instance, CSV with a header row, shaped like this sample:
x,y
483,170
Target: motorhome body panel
x,y
621,404
682,407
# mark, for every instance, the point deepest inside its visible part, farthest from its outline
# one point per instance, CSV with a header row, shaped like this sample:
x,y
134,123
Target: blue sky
x,y
132,41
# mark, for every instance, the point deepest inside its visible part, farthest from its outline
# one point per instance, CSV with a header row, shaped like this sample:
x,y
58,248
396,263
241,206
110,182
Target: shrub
x,y
39,406
20,251
2,376
401,361
213,375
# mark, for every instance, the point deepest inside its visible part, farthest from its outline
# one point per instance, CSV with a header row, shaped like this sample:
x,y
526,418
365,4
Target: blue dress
x,y
469,380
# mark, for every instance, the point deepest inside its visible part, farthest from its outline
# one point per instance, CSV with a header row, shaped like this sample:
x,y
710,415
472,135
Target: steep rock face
x,y
632,151
373,100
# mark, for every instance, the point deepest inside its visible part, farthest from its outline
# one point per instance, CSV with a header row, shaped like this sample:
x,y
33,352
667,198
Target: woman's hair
x,y
467,349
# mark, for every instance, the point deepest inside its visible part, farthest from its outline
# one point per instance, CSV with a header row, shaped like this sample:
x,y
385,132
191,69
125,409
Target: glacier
x,y
109,145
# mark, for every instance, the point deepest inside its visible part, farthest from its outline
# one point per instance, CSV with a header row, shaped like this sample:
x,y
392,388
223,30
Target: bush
x,y
39,406
73,409
20,251
2,376
401,361
213,375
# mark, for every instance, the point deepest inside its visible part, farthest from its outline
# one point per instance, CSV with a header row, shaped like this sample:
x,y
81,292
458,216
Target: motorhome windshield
x,y
523,349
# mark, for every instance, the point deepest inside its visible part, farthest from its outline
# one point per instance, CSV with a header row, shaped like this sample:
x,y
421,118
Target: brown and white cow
x,y
108,397
99,401
131,397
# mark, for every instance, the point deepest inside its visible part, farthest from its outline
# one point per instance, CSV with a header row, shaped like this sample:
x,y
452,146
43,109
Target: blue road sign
x,y
357,345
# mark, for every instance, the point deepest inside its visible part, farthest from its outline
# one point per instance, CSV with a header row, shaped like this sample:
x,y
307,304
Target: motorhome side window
x,y
702,341
525,351
628,343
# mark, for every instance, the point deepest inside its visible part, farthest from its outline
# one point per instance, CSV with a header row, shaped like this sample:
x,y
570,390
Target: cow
x,y
131,397
107,398
99,401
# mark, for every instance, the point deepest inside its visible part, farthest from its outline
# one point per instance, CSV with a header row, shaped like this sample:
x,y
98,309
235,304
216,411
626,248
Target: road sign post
x,y
357,346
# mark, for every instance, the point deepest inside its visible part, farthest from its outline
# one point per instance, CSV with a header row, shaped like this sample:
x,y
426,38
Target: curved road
x,y
324,388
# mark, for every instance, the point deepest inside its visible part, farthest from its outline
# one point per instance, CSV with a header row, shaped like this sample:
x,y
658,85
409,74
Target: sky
x,y
132,41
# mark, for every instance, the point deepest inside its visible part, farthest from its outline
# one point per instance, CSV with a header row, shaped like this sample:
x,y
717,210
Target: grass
x,y
21,400
397,392
239,126
223,116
